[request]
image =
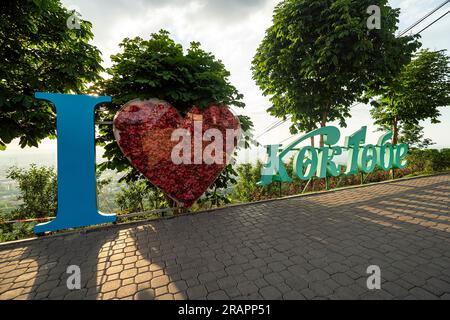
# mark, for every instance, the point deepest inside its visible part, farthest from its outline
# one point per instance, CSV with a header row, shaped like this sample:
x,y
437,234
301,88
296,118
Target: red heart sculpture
x,y
155,139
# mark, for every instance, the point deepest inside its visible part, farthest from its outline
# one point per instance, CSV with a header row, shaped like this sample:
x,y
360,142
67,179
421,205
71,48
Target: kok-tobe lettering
x,y
312,162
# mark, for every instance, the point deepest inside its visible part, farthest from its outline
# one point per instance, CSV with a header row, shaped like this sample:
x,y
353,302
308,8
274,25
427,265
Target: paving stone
x,y
253,274
160,291
114,270
320,289
212,286
297,283
58,292
437,286
25,276
233,270
197,292
126,291
192,282
160,281
342,278
293,295
318,274
143,277
110,286
270,293
233,293
422,294
218,295
11,294
48,285
166,296
395,290
146,294
247,288
76,294
180,296
273,278
129,273
227,282
297,248
207,277
177,286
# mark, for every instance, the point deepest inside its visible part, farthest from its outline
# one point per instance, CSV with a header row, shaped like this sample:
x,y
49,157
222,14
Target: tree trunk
x,y
394,139
323,123
310,128
395,131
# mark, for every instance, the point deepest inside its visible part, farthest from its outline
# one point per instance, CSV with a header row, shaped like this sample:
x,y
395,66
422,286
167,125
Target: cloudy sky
x,y
232,30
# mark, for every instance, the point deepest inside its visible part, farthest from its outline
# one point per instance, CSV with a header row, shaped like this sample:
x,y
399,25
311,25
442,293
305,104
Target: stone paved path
x,y
299,248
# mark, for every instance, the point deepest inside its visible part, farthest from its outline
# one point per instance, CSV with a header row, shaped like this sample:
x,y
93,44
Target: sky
x,y
232,30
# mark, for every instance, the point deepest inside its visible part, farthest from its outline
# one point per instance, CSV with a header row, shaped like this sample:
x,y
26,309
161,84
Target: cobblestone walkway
x,y
310,247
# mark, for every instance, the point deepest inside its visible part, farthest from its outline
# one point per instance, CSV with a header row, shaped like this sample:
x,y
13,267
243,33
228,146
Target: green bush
x,y
37,191
16,231
429,160
246,189
445,158
38,199
138,196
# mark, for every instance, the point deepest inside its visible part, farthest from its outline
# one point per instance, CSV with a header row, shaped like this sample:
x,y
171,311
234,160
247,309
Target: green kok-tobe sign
x,y
312,162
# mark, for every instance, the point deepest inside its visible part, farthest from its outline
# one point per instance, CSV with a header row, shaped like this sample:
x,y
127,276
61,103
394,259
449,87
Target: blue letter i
x,y
77,186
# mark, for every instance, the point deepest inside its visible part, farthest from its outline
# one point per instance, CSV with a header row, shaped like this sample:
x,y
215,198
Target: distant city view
x,y
24,158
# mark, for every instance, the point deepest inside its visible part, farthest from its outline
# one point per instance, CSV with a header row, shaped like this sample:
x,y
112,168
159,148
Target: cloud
x,y
232,31
218,9
233,9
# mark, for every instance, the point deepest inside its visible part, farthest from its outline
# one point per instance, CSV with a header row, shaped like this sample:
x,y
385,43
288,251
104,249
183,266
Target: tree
x,y
246,187
417,93
136,196
38,52
159,68
412,135
319,57
38,191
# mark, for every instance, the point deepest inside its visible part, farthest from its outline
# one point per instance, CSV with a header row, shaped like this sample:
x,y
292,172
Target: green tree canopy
x,y
416,94
412,135
37,191
160,68
38,52
319,57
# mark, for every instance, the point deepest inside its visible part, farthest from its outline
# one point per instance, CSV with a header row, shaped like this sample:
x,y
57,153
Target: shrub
x,y
246,190
37,191
429,160
16,231
138,196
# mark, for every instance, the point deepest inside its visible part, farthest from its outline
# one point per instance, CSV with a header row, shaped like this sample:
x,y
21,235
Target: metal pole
x,y
306,186
339,181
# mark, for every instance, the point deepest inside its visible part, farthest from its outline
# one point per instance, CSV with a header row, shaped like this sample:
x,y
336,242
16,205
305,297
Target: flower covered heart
x,y
181,156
